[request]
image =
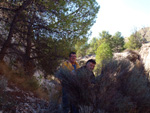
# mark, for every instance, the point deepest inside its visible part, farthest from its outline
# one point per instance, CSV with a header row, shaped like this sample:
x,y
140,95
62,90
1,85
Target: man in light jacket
x,y
71,65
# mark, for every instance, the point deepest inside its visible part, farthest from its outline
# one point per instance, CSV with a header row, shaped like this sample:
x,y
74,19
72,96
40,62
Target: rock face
x,y
130,55
15,100
145,33
145,56
83,60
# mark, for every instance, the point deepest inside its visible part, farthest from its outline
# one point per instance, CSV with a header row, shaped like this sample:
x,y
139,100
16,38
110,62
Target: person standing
x,y
89,67
71,65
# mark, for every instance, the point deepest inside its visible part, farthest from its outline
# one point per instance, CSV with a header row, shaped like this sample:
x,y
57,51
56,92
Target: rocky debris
x,y
130,55
145,56
83,60
17,100
49,85
120,55
145,33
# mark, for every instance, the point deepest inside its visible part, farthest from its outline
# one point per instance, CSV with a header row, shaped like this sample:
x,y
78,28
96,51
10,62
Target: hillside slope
x,y
145,33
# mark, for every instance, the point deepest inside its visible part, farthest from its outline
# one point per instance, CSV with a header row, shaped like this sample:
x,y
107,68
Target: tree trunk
x,y
8,41
9,38
29,63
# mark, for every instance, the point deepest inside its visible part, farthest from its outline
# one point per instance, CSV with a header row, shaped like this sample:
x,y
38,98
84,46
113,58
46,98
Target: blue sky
x,y
121,15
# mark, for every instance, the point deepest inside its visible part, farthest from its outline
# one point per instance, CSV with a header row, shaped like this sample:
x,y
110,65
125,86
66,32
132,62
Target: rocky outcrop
x,y
15,100
142,57
145,56
130,55
83,60
145,33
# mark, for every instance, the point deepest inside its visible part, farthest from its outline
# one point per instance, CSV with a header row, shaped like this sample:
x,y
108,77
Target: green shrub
x,y
32,83
103,52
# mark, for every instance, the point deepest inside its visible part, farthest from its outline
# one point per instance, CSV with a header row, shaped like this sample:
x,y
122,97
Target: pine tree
x,y
103,52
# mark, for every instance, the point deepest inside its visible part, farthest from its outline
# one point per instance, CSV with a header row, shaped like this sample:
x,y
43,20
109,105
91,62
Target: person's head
x,y
72,57
90,64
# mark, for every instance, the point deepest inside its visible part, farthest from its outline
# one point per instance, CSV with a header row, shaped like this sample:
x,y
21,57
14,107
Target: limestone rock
x,y
145,56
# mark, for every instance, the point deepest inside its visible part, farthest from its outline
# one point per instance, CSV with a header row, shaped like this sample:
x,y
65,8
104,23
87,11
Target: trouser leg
x,y
65,101
74,109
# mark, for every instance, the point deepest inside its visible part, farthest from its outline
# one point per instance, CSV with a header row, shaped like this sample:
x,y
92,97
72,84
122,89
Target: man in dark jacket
x,y
87,71
89,67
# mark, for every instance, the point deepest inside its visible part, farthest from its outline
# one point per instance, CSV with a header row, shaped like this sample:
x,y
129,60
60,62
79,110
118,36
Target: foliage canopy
x,y
42,32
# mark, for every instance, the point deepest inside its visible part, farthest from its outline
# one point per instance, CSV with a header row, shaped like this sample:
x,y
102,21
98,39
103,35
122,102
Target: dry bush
x,y
54,101
78,86
81,91
89,109
3,85
125,86
22,81
5,102
121,88
5,69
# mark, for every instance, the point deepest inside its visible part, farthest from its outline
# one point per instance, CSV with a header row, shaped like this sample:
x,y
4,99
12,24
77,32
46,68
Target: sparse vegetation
x,y
121,88
21,81
3,84
39,34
